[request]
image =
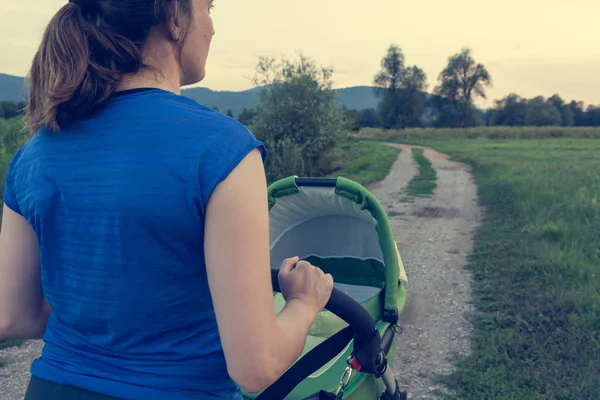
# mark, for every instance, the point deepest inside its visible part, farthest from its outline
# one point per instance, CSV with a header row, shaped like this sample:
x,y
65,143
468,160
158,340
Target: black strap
x,y
323,395
312,361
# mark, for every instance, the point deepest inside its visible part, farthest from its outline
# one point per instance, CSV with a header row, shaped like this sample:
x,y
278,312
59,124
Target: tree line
x,y
405,103
11,109
514,110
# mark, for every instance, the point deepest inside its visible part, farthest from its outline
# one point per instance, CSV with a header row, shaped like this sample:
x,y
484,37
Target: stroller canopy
x,y
339,226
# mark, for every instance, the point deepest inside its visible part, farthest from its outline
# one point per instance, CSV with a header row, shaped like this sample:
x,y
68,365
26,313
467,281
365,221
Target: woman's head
x,y
92,48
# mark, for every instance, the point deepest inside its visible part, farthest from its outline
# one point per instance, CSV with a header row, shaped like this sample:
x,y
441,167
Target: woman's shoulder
x,y
183,115
215,133
222,143
216,141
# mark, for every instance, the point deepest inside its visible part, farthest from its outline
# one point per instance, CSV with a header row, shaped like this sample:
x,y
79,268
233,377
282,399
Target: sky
x,y
530,47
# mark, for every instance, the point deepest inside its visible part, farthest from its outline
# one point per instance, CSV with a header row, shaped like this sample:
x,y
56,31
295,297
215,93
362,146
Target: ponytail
x,y
82,59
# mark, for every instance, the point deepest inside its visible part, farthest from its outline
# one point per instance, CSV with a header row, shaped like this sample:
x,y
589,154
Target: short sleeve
x,y
10,195
227,149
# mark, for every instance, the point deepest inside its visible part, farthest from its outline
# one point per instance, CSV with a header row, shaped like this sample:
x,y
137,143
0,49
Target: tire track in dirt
x,y
435,237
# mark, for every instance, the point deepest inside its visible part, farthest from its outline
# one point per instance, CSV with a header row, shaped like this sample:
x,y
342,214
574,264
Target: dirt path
x,y
434,236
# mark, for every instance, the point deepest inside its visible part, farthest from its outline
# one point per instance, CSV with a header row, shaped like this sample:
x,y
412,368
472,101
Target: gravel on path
x,y
434,237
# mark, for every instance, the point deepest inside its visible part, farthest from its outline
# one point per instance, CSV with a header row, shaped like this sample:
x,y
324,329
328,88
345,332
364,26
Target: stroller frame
x,y
365,332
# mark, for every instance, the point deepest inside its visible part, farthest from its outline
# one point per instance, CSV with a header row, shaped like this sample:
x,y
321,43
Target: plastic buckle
x,y
356,364
391,316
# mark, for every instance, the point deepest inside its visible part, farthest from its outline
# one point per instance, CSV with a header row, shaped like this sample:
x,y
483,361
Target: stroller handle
x,y
346,308
368,355
316,182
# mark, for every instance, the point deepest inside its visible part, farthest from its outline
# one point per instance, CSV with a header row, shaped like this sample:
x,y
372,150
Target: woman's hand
x,y
300,281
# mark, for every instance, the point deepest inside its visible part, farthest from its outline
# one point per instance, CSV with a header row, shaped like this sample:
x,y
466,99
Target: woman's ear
x,y
174,27
175,23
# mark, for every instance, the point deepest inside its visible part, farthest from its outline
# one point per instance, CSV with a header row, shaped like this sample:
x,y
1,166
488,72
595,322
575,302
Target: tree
x,y
367,118
510,111
359,119
462,81
11,109
401,90
246,116
230,113
542,113
297,117
12,137
579,114
565,111
593,115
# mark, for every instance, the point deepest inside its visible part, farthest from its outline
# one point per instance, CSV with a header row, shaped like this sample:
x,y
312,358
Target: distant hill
x,y
356,98
224,100
11,88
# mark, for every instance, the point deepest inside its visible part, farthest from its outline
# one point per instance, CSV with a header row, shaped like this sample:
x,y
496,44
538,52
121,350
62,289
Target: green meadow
x,y
536,262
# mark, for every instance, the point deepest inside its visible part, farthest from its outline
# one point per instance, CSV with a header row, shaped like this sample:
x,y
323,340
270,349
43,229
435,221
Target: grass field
x,y
365,161
424,182
536,268
493,132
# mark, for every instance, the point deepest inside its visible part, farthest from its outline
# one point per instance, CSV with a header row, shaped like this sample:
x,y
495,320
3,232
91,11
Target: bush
x,y
297,117
12,138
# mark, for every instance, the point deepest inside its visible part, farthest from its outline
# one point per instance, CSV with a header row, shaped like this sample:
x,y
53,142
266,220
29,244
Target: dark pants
x,y
40,389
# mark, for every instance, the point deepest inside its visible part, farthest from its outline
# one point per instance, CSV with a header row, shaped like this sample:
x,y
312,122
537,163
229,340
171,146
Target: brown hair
x,y
86,49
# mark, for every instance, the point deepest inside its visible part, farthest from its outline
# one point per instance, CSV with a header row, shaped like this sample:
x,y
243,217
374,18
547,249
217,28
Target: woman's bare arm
x,y
258,344
23,309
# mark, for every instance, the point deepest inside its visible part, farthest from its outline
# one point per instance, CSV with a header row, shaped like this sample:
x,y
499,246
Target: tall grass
x,y
424,182
536,268
364,161
496,132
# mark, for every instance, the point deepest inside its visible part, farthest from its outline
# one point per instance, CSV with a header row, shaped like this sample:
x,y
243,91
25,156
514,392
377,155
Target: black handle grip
x,y
345,307
361,327
316,182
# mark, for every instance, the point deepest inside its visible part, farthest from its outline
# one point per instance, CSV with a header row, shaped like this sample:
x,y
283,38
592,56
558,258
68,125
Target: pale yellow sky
x,y
531,47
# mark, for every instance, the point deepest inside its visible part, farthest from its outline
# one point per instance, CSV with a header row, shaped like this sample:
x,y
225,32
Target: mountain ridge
x,y
353,97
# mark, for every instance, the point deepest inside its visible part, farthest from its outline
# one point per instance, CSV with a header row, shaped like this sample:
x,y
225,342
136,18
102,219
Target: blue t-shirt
x,y
118,202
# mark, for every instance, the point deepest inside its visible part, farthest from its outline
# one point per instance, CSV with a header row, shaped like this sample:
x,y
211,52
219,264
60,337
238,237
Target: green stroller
x,y
340,227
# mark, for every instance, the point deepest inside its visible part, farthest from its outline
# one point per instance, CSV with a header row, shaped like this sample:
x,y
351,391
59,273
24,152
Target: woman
x,y
135,228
